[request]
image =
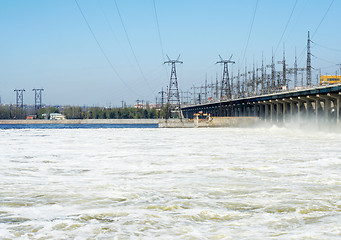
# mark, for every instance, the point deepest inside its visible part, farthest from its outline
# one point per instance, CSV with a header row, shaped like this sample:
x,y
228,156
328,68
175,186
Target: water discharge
x,y
139,183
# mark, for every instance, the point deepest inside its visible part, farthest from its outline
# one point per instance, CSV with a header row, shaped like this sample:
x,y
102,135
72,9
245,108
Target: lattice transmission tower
x,y
37,98
173,98
225,82
19,97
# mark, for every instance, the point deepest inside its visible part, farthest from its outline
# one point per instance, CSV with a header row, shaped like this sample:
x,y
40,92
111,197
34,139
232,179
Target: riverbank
x,y
82,121
162,123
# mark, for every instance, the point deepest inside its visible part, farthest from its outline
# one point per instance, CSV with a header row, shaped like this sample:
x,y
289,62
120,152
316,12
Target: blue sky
x,y
48,44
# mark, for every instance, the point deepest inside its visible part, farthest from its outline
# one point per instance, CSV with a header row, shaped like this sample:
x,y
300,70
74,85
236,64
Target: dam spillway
x,y
320,103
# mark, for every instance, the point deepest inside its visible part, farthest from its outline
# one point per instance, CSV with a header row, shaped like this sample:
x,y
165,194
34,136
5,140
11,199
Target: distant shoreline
x,y
82,121
162,123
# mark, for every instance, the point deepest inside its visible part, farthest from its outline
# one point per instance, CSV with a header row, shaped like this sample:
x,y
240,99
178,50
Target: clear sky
x,y
48,44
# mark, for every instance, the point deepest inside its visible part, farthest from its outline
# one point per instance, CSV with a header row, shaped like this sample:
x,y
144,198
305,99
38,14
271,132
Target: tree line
x,y
75,112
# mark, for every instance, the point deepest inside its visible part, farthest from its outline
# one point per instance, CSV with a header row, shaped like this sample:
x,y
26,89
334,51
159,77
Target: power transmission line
x,y
102,50
286,26
158,29
108,22
327,61
318,26
332,49
248,38
131,47
324,16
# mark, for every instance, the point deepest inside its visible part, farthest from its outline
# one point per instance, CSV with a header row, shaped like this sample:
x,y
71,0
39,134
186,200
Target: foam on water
x,y
170,183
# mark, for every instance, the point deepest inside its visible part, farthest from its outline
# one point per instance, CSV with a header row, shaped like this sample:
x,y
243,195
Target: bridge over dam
x,y
322,104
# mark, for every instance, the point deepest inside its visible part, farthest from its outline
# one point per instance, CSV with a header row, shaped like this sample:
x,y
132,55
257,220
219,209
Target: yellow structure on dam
x,y
328,80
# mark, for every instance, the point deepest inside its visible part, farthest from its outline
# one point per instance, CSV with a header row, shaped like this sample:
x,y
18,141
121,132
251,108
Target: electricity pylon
x,y
19,97
225,82
173,98
37,98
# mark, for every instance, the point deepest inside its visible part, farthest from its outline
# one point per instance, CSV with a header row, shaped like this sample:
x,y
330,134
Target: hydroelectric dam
x,y
322,104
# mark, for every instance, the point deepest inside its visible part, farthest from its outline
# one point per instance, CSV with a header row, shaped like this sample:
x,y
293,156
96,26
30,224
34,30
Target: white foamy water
x,y
218,183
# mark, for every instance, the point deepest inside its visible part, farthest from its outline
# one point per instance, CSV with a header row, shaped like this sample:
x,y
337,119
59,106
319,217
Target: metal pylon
x,y
225,82
308,62
173,98
37,98
19,97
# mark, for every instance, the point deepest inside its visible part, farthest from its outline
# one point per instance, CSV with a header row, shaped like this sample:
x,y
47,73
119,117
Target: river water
x,y
148,183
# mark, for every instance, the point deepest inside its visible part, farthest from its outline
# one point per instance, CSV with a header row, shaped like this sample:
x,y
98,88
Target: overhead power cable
x,y
332,49
324,16
158,29
103,52
318,26
327,61
131,47
248,38
286,25
107,20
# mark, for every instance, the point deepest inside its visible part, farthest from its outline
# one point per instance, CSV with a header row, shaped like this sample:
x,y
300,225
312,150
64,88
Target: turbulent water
x,y
222,183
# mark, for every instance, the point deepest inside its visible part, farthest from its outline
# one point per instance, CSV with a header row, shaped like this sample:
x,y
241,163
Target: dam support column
x,y
298,108
292,111
244,110
239,110
266,111
261,110
327,106
307,106
272,111
285,110
336,97
281,110
254,109
317,106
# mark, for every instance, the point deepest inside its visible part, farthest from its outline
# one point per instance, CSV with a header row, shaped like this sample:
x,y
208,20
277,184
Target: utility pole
x,y
211,86
194,100
284,82
238,84
244,83
37,98
206,89
173,100
232,87
186,96
263,76
273,73
340,68
308,62
19,97
162,97
200,95
225,83
194,94
254,81
295,70
216,88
